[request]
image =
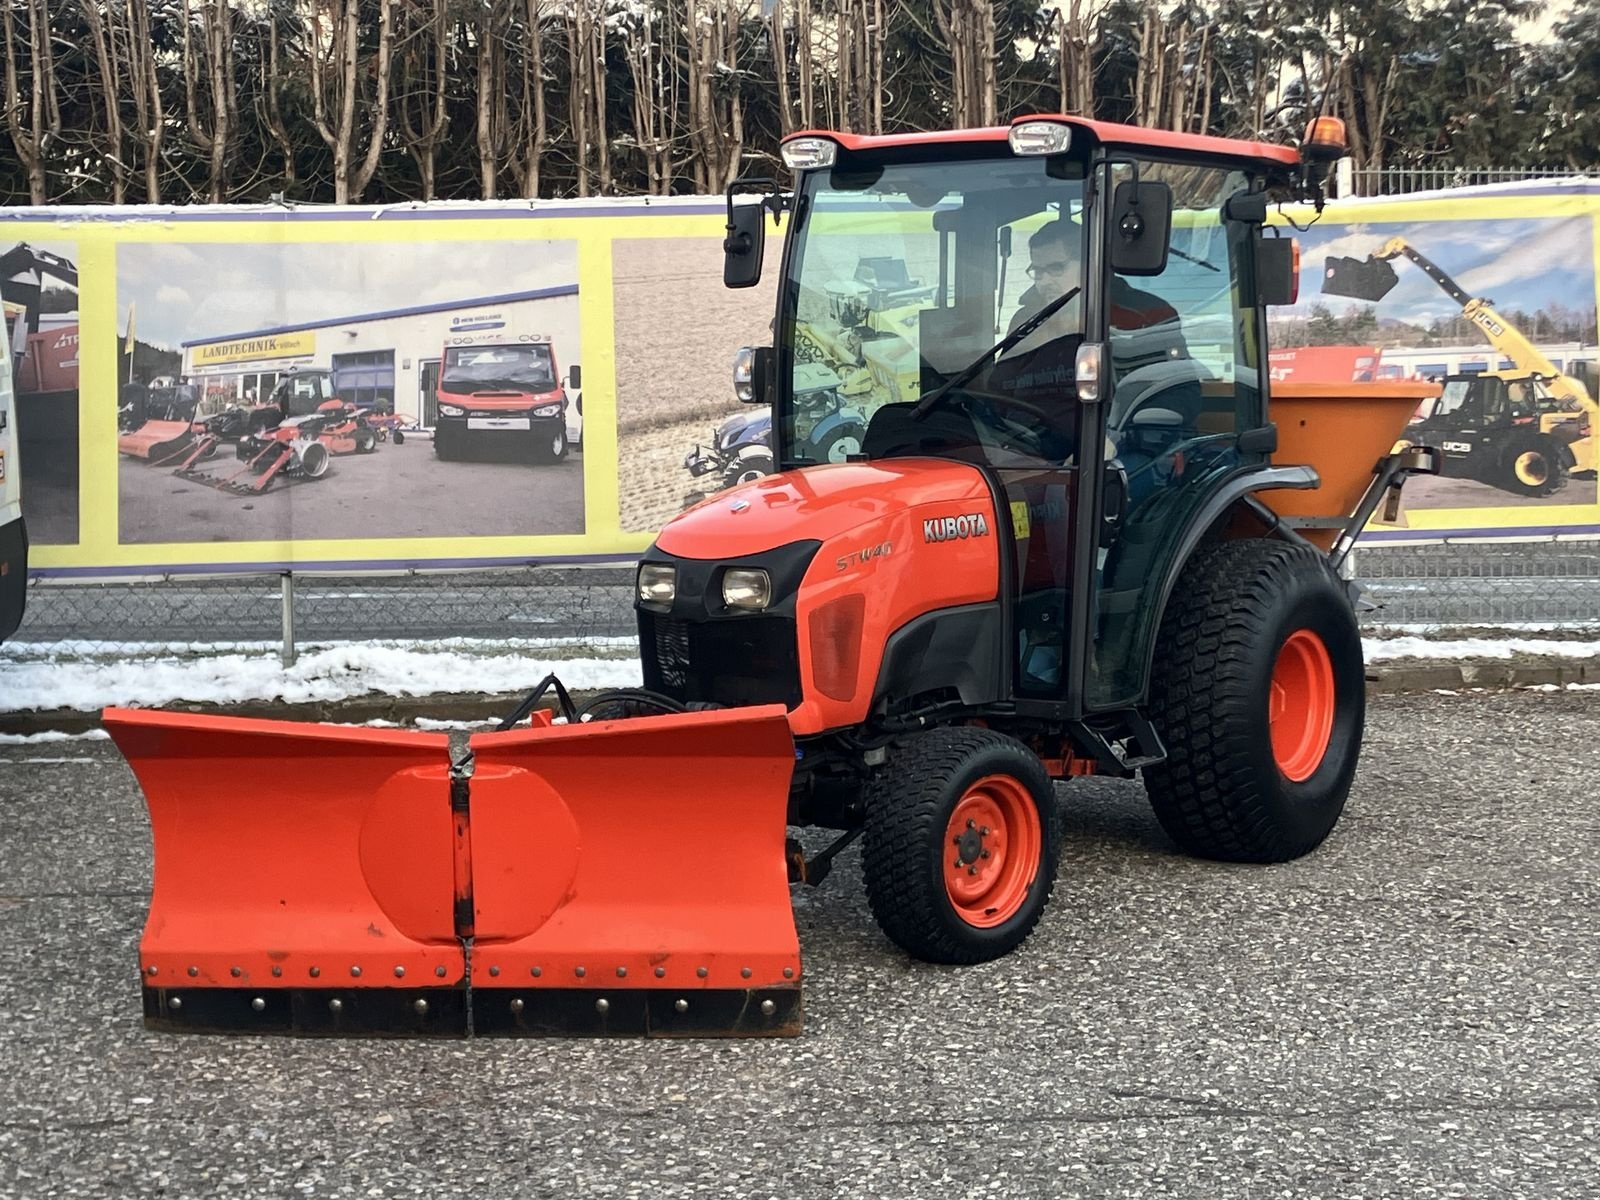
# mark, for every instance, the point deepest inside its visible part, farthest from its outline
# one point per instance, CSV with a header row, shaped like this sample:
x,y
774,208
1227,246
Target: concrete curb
x,y
1387,678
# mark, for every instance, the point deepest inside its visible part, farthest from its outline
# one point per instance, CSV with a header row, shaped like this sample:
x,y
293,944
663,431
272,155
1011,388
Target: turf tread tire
x,y
907,808
1219,794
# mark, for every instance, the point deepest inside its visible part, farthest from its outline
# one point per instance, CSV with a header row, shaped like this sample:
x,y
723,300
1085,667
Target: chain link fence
x,y
1553,584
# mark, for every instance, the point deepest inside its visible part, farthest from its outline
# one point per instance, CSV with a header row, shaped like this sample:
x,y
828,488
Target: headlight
x,y
450,410
658,583
547,410
809,153
746,587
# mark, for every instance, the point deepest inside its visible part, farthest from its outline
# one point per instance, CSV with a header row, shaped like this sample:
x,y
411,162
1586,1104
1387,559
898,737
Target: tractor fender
x,y
1241,486
841,419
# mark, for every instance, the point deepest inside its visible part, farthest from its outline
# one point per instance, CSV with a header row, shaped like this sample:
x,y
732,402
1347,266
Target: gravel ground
x,y
1409,1012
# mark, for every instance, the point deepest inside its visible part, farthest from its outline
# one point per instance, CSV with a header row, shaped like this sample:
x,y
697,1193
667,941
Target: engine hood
x,y
744,427
816,503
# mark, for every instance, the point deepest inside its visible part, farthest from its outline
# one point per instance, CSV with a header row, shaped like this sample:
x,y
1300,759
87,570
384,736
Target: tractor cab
x,y
1077,310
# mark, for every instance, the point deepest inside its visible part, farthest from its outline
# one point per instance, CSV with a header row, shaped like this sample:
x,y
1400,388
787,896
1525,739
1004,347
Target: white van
x,y
13,535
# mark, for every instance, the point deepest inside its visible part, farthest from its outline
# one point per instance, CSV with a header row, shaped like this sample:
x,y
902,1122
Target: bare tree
x,y
968,29
424,43
648,55
211,125
534,127
337,73
111,67
149,126
34,123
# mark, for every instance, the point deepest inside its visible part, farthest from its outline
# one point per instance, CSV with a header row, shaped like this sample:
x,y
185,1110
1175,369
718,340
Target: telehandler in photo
x,y
1099,543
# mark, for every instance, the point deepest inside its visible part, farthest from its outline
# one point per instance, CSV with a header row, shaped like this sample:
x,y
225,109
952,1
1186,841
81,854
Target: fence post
x,y
287,582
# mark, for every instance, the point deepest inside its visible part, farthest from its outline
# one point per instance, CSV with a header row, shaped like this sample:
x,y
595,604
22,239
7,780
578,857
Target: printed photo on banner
x,y
1499,312
39,286
275,391
682,432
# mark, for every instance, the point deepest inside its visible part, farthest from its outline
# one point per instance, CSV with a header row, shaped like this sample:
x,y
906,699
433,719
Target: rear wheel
x,y
366,441
1533,464
960,845
1259,693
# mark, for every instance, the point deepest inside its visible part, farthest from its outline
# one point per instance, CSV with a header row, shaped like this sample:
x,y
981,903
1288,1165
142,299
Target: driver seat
x,y
943,433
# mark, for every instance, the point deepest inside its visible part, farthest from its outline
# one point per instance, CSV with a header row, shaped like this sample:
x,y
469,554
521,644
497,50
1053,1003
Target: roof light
x,y
1325,140
809,153
1040,137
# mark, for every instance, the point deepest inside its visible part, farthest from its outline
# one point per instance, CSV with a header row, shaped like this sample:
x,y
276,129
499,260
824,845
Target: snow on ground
x,y
1466,649
52,735
328,674
99,677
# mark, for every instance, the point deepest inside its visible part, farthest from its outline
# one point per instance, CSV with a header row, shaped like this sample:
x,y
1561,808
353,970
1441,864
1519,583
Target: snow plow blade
x,y
629,877
622,878
1369,278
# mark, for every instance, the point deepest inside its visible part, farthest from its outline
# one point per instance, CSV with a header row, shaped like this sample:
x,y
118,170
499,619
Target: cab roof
x,y
1262,155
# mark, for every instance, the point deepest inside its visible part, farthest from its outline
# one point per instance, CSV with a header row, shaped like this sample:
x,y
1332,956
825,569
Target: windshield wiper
x,y
966,374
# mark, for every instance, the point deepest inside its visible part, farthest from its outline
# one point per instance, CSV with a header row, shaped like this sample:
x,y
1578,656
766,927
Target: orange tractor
x,y
1098,543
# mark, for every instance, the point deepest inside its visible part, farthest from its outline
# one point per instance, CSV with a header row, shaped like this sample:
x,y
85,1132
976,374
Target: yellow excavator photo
x,y
1525,429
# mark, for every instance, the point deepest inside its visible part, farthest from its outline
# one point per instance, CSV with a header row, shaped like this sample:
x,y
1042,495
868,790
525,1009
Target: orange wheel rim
x,y
993,846
1302,705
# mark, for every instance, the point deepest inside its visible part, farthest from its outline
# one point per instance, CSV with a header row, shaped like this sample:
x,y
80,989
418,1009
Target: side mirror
x,y
742,248
1141,223
575,377
752,374
1277,269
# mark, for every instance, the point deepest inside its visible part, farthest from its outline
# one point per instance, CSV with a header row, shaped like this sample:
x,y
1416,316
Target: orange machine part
x,y
646,853
1341,429
152,438
294,855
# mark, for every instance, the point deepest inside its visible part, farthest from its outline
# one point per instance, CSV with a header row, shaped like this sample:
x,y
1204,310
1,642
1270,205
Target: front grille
x,y
732,661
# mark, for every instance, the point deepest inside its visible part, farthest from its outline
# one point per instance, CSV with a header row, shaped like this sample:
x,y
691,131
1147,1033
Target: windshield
x,y
303,395
517,367
901,276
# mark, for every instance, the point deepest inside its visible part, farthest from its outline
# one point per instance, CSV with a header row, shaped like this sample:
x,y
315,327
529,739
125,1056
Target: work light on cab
x,y
1040,137
809,153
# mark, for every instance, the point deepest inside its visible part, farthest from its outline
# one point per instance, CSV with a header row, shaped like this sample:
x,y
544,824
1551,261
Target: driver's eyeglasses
x,y
1049,268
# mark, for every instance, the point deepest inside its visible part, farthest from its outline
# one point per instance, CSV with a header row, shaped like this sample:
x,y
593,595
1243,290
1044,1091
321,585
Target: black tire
x,y
1221,793
551,447
748,466
909,805
366,441
1532,464
843,441
445,447
399,438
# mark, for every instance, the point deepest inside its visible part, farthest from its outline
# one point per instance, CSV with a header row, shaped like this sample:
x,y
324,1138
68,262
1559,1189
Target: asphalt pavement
x,y
1407,1012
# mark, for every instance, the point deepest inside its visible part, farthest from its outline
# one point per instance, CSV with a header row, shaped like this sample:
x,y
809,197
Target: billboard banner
x,y
222,389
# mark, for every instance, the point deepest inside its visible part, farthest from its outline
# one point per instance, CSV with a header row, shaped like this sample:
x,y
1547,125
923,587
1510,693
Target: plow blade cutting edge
x,y
609,878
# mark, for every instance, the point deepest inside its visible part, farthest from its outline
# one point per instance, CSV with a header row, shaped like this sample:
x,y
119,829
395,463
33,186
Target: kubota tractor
x,y
1104,544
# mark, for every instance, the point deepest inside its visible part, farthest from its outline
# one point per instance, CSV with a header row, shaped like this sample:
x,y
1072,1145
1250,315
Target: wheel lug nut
x,y
971,824
984,831
985,854
972,870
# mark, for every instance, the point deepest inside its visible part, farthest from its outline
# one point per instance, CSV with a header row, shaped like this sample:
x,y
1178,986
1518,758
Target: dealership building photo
x,y
386,361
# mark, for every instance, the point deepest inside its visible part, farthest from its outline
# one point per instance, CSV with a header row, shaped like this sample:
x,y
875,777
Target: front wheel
x,y
960,845
1259,693
749,465
366,441
550,447
1533,464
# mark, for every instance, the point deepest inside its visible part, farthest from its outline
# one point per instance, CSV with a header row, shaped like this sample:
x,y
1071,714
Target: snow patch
x,y
1461,649
52,735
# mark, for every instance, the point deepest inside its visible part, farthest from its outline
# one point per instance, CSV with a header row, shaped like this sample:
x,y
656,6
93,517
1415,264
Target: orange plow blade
x,y
629,877
605,878
304,879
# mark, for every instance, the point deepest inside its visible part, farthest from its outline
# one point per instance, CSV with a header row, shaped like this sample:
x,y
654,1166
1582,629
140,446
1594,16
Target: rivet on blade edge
x,y
580,972
494,970
336,1005
788,972
421,1006
315,971
439,971
602,1005
399,972
277,971
681,1005
661,972
768,1008
152,970
536,971
702,972
235,972
175,1003
622,972
193,971
355,972
258,1004
517,1005
746,972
